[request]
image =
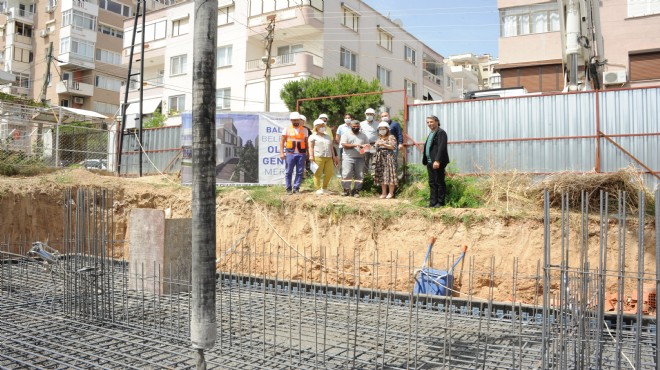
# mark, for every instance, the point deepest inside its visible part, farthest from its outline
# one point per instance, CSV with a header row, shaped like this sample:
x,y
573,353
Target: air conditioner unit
x,y
50,8
78,100
14,90
615,77
44,32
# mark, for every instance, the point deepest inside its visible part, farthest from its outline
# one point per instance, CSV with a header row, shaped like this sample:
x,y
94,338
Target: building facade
x,y
66,52
312,40
530,44
470,72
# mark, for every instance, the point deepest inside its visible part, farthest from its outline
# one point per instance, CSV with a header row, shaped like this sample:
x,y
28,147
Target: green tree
x,y
156,120
335,108
248,164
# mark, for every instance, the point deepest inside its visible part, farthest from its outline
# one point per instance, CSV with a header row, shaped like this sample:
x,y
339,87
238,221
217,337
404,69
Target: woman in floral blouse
x,y
385,173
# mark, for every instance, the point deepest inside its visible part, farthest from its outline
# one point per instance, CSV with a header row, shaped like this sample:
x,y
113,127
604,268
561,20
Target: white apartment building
x,y
469,72
316,39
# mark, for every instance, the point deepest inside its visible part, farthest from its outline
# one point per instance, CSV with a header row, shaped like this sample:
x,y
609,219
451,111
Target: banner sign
x,y
247,148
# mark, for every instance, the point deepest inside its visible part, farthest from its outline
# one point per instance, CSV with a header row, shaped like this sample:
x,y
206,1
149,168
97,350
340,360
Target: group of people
x,y
363,146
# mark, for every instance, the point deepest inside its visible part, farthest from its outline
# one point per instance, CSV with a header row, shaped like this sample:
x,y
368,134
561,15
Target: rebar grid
x,y
87,311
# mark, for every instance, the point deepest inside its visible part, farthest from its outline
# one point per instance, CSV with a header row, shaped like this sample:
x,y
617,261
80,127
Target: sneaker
x,y
289,192
346,192
319,192
296,191
356,194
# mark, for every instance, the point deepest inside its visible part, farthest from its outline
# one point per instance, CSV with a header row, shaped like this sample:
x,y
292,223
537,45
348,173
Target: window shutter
x,y
645,66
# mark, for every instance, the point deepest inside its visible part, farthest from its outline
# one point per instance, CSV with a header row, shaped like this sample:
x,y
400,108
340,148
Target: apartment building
x,y
84,38
312,39
530,44
470,72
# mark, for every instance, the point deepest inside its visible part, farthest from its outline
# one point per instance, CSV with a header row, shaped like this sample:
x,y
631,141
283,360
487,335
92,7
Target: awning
x,y
68,114
148,106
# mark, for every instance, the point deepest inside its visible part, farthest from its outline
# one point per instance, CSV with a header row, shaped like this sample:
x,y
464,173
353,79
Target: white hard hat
x,y
323,115
370,111
303,118
318,122
384,124
294,115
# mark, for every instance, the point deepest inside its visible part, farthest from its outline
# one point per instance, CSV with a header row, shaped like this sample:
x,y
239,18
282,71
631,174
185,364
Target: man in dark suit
x,y
436,160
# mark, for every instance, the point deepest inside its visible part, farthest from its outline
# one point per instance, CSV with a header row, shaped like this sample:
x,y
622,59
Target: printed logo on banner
x,y
247,148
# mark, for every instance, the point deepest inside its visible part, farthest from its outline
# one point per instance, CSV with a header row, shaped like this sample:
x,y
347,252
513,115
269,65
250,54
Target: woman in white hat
x,y
321,153
385,172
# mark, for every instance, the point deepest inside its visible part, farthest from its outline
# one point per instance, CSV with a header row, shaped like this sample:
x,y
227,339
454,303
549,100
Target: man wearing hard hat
x,y
293,149
369,127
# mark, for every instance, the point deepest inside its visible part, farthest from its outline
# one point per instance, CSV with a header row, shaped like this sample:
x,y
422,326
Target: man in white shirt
x,y
369,127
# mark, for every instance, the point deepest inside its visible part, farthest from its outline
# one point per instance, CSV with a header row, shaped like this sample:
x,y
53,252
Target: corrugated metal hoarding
x,y
547,133
162,152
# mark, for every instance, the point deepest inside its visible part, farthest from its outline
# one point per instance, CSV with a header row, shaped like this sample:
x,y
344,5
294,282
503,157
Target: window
x,y
23,55
83,49
639,8
225,15
258,7
107,83
64,102
114,7
78,19
153,31
644,66
180,27
523,20
348,60
384,76
410,54
23,80
107,56
223,56
177,103
23,29
384,39
107,30
106,108
287,53
223,98
411,88
178,65
350,19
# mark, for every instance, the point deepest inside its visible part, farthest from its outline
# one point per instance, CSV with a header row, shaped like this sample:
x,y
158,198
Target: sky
x,y
447,26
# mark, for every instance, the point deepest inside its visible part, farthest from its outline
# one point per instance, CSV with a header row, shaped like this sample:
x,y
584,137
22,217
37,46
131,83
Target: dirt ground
x,y
332,238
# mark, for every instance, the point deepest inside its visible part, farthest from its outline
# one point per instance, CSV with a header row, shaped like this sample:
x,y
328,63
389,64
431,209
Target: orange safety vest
x,y
296,138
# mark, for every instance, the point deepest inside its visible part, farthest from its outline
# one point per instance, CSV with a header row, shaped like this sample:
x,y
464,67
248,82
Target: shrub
x,y
462,191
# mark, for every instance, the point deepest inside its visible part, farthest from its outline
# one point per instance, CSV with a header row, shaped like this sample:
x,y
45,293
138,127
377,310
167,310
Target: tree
x,y
335,108
248,164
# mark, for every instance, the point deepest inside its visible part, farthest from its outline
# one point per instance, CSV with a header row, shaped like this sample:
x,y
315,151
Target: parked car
x,y
95,164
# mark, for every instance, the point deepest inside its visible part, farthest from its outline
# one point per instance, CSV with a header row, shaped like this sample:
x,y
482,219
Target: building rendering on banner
x,y
533,47
312,40
85,70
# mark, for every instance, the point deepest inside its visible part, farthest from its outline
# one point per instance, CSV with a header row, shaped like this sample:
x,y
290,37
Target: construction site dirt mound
x,y
331,239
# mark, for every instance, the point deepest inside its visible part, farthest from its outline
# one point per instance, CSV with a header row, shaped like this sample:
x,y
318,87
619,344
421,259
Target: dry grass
x,y
627,180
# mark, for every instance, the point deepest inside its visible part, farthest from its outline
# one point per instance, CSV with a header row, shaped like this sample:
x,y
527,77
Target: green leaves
x,y
335,108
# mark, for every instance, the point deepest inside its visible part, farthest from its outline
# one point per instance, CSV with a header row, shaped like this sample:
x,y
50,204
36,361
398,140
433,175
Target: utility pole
x,y
203,326
42,99
269,47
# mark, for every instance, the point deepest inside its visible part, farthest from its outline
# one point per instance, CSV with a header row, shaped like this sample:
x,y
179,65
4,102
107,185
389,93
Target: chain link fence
x,y
34,138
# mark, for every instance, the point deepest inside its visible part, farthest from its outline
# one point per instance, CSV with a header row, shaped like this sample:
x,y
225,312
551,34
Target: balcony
x,y
74,88
83,6
75,61
21,15
306,18
433,78
295,63
23,40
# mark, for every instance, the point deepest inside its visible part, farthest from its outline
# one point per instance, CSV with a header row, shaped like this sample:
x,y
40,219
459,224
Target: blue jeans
x,y
297,160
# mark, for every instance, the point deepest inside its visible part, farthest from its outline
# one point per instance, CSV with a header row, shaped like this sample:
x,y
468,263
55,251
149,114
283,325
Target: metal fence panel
x,y
162,151
546,133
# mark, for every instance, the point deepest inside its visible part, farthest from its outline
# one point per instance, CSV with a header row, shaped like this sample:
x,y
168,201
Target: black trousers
x,y
437,186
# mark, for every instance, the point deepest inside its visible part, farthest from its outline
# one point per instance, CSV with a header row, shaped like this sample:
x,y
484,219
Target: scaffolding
x,y
76,307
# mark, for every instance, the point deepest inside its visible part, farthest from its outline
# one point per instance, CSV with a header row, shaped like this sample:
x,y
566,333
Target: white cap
x,y
384,124
370,111
323,115
294,115
303,118
318,121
